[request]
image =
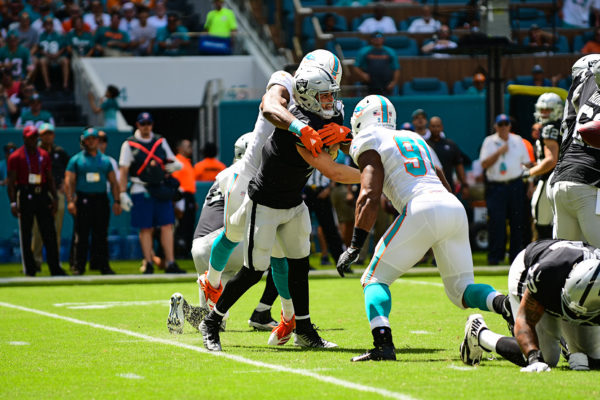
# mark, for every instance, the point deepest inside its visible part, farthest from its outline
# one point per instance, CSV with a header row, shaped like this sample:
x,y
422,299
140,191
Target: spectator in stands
x,y
85,186
11,86
51,51
24,98
142,37
173,38
16,58
110,40
537,72
151,199
448,152
78,41
502,156
379,22
184,233
208,168
221,21
478,86
45,11
107,105
592,46
129,22
419,121
8,150
7,109
28,37
159,19
74,12
441,41
329,24
32,195
96,13
538,39
576,14
377,66
10,16
34,116
59,160
426,23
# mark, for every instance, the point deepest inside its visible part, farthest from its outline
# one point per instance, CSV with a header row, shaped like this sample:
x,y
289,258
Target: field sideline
x,y
110,341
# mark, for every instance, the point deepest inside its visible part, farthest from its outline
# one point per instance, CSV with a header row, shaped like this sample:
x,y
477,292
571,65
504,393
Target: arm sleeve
x,y
125,158
366,141
486,149
393,58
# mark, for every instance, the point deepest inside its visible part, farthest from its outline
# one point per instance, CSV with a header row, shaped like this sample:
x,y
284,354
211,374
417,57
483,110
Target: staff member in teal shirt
x,y
85,188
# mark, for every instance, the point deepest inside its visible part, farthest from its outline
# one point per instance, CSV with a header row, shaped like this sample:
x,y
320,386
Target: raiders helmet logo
x,y
301,85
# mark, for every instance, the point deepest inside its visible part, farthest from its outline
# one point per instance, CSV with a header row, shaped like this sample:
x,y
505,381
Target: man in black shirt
x,y
448,152
576,180
276,212
554,293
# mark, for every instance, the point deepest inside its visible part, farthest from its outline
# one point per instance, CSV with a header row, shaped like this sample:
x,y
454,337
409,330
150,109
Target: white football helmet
x,y
324,59
373,110
584,63
240,146
310,83
580,294
548,107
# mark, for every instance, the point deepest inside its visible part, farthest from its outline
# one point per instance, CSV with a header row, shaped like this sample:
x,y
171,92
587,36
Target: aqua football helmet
x,y
324,59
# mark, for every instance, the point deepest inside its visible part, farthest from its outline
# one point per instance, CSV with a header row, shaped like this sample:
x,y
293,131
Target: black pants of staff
x,y
93,216
324,213
35,202
184,233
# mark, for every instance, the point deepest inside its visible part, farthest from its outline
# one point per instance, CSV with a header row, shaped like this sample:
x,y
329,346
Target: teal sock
x,y
279,266
221,251
378,300
476,295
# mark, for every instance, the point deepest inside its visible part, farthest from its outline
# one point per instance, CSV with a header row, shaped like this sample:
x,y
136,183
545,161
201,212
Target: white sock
x,y
287,308
262,307
489,339
489,301
214,277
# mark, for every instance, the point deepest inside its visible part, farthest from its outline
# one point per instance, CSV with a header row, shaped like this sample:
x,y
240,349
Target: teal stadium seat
x,y
358,20
461,86
350,46
524,18
562,44
580,40
402,45
424,87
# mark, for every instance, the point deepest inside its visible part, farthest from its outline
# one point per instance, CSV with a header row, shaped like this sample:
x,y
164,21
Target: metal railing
x,y
208,116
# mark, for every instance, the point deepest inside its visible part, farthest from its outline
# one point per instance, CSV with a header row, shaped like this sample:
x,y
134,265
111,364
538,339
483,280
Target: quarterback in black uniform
x,y
576,180
554,293
275,210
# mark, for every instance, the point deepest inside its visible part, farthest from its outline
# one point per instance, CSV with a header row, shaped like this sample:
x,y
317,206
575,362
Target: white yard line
x,y
275,367
108,304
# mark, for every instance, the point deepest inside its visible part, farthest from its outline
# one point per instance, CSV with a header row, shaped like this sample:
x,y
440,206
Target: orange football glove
x,y
311,140
333,133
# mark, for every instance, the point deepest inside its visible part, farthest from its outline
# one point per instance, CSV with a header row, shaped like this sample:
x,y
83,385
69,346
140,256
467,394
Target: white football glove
x,y
126,202
171,167
579,362
537,366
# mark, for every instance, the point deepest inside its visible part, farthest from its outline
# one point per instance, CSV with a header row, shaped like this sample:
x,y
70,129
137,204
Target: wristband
x,y
13,204
296,127
534,356
359,236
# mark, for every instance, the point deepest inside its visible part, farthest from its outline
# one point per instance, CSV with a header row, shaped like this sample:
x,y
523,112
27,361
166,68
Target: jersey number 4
x,y
413,160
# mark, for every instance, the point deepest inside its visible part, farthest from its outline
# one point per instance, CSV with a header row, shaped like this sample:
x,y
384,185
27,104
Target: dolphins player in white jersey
x,y
234,180
399,164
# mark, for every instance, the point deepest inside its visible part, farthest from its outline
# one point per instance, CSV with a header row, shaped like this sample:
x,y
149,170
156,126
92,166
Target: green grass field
x,y
111,342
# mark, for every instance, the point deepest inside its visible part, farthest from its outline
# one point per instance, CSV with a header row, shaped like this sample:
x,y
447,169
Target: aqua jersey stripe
x,y
336,66
384,109
381,248
235,176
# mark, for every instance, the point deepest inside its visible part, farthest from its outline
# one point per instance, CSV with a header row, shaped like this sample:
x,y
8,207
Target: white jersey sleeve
x,y
284,79
363,142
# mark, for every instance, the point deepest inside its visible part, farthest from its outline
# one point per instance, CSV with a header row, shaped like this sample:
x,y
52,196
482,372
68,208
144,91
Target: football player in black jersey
x,y
576,179
275,210
548,113
554,291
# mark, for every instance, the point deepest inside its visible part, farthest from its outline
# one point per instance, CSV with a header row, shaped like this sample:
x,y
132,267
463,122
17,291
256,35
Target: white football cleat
x,y
176,320
470,350
311,338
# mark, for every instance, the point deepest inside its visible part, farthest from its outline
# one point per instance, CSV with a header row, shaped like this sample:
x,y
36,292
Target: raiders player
x,y
576,180
554,292
548,112
399,165
210,226
275,211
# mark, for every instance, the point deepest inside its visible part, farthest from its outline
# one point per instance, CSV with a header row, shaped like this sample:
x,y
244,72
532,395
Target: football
x,y
590,133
